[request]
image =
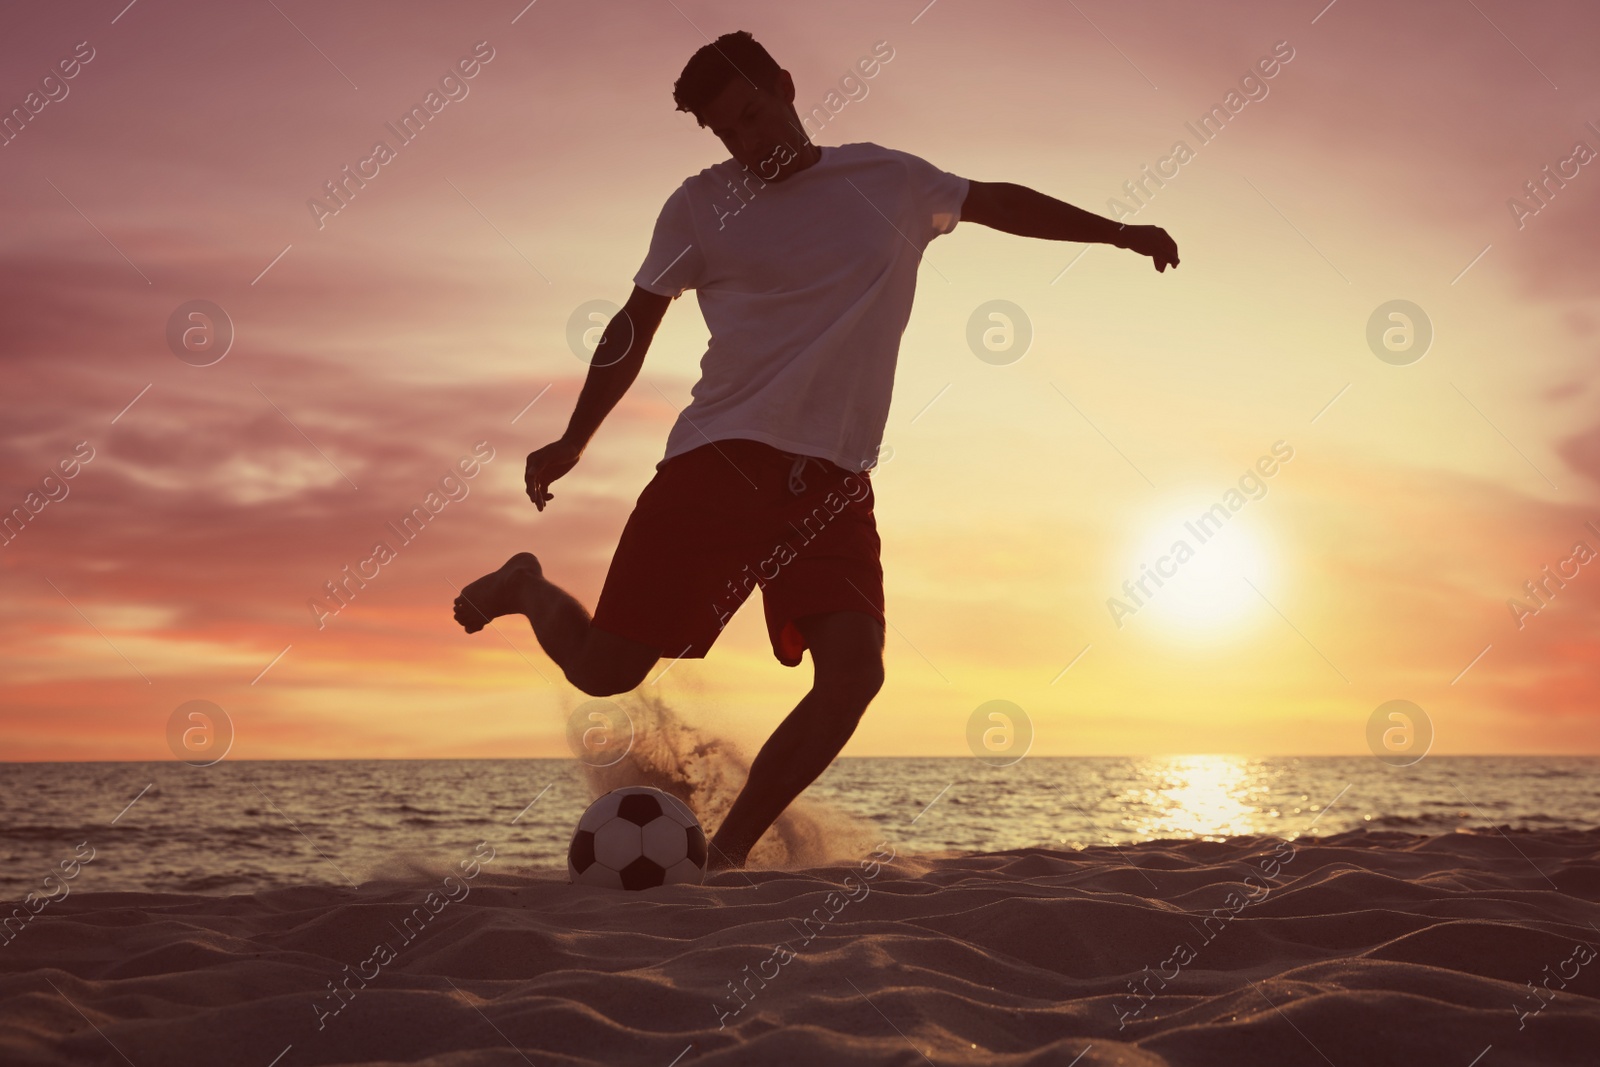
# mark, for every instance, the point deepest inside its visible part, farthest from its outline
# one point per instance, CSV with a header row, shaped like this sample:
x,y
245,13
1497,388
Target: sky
x,y
1417,485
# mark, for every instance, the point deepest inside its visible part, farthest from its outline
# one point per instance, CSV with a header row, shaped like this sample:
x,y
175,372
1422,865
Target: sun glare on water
x,y
1207,797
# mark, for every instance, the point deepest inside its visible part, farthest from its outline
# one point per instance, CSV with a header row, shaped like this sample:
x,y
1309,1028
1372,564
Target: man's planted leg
x,y
847,656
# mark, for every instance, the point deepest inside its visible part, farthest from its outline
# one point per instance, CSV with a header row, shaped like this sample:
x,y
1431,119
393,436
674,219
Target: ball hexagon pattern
x,y
637,837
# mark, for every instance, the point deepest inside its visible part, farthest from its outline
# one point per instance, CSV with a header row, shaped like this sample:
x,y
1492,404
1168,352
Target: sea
x,y
244,826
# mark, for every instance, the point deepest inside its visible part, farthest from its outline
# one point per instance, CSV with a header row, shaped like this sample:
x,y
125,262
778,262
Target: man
x,y
804,259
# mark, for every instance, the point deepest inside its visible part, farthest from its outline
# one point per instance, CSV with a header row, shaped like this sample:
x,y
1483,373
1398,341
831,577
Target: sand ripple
x,y
1360,949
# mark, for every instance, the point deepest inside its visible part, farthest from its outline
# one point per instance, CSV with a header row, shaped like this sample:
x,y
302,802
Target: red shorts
x,y
732,516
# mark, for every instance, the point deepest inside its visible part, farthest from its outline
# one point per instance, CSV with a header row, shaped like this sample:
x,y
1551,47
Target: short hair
x,y
714,66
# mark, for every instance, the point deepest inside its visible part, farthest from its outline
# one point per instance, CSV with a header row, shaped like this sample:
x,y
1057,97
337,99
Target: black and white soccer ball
x,y
637,837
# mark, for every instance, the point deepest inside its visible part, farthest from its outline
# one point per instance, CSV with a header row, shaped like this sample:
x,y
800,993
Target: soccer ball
x,y
637,837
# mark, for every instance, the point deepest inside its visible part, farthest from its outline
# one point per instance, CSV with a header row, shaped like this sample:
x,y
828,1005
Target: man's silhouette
x,y
804,259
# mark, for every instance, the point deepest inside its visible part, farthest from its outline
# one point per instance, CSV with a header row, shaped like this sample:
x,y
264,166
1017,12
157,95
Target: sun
x,y
1203,572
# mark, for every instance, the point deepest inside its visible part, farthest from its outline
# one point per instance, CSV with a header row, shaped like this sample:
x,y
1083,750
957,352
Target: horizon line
x,y
525,759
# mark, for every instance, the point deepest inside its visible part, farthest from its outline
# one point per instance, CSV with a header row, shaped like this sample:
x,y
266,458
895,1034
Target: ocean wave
x,y
213,832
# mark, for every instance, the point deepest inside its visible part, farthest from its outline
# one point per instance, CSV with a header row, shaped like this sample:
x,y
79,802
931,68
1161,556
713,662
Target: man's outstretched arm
x,y
1028,213
612,369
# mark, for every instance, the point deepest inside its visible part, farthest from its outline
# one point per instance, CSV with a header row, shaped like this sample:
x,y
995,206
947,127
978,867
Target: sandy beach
x,y
1356,949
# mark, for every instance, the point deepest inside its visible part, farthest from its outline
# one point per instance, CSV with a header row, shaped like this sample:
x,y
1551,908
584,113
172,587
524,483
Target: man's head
x,y
733,87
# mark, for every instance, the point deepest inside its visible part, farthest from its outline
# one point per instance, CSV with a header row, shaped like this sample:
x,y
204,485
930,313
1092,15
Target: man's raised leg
x,y
847,657
597,662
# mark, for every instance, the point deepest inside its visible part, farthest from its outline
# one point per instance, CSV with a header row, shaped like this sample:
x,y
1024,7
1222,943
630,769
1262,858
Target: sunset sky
x,y
375,347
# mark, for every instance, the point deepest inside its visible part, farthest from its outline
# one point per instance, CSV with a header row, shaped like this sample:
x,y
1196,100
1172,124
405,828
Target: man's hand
x,y
548,464
1151,241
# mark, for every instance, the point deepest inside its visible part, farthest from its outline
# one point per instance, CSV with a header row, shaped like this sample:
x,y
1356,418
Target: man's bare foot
x,y
496,593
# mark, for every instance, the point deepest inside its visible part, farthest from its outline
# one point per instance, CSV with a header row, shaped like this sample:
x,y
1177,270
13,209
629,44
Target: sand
x,y
1352,950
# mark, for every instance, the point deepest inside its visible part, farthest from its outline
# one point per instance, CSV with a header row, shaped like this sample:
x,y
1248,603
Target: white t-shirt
x,y
806,286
